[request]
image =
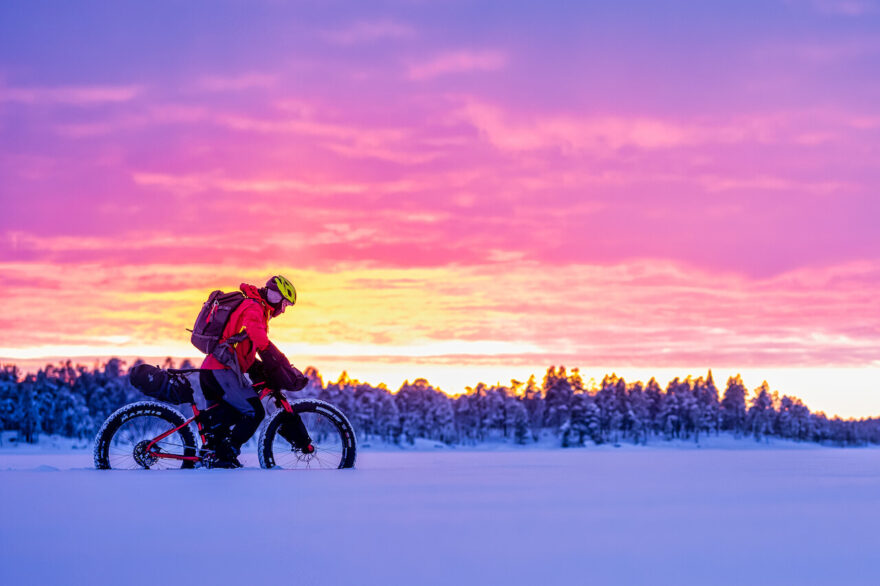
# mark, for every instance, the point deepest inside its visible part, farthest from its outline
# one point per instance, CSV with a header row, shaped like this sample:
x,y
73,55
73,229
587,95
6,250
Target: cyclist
x,y
238,410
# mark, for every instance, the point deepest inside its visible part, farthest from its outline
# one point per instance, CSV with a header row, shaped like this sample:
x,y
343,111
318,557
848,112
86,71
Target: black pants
x,y
237,411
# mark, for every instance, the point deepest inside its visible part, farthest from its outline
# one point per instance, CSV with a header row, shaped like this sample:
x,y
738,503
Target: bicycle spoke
x,y
135,434
326,439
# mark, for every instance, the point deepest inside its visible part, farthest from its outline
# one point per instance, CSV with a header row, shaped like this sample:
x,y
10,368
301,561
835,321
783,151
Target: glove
x,y
257,372
279,372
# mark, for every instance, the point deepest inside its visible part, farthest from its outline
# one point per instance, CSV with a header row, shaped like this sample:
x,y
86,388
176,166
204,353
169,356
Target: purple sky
x,y
632,184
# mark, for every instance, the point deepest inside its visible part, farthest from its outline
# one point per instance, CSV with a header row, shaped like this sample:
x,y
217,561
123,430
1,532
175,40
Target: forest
x,y
73,401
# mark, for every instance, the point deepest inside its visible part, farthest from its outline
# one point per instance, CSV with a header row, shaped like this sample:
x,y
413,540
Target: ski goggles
x,y
274,297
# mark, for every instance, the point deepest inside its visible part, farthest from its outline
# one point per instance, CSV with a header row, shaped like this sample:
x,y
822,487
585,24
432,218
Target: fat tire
x,y
129,412
343,426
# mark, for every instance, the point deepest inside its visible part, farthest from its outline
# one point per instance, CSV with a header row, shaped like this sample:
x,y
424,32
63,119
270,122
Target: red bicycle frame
x,y
280,400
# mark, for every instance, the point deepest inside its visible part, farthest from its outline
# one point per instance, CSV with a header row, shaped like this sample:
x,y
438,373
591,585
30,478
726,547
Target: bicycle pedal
x,y
207,459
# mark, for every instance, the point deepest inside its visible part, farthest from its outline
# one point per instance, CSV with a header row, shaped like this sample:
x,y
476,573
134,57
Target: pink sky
x,y
452,185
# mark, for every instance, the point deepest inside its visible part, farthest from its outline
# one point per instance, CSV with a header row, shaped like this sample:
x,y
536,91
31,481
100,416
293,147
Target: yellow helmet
x,y
283,287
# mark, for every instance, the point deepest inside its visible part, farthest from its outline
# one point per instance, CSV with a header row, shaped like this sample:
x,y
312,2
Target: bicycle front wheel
x,y
316,436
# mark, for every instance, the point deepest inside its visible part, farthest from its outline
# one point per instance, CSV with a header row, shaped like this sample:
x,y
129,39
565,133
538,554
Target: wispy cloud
x,y
463,61
349,139
844,7
368,31
71,95
767,183
823,52
570,132
512,131
219,83
191,183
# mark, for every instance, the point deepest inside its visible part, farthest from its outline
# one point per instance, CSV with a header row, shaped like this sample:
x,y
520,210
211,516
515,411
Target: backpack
x,y
212,319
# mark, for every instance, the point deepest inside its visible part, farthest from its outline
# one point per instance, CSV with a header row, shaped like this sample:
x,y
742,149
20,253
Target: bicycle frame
x,y
280,400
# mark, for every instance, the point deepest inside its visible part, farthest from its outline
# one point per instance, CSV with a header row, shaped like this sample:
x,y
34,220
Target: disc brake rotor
x,y
142,457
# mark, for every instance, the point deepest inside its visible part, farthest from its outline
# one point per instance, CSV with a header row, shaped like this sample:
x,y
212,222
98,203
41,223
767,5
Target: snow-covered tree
x,y
557,397
534,404
733,406
760,414
518,419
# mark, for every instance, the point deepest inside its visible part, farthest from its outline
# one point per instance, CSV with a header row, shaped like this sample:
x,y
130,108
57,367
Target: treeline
x,y
73,401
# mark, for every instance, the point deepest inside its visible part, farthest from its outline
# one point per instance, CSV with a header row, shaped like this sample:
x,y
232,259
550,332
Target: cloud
x,y
214,83
832,52
458,62
508,130
192,183
819,52
403,156
575,133
768,183
639,313
369,31
351,140
844,7
71,95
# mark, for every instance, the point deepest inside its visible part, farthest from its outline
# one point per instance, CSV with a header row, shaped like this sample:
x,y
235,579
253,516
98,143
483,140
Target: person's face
x,y
284,305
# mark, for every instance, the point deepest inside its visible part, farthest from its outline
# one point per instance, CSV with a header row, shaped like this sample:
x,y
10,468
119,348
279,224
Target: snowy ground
x,y
729,514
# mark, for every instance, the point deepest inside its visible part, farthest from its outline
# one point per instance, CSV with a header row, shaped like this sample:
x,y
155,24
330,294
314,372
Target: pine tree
x,y
579,425
466,418
707,396
638,413
366,416
388,424
760,414
688,409
315,384
733,406
534,404
493,408
557,397
519,419
669,415
26,414
594,427
606,401
8,398
654,398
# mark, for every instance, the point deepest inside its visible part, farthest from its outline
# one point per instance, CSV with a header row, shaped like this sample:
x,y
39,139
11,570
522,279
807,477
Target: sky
x,y
463,191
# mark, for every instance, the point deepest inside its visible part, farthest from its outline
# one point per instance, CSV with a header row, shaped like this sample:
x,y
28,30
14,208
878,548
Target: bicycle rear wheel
x,y
124,438
324,440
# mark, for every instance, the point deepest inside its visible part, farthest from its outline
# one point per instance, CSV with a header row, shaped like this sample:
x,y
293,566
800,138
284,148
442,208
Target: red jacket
x,y
252,315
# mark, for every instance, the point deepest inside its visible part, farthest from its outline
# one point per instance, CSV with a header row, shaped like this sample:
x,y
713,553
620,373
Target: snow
x,y
733,513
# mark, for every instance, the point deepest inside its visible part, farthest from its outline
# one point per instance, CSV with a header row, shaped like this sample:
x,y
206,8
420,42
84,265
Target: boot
x,y
295,432
226,454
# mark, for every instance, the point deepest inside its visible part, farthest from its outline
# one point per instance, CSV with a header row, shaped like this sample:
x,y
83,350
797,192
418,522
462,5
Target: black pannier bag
x,y
160,384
